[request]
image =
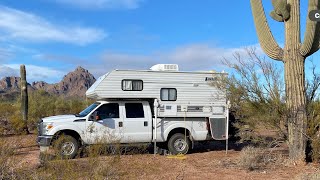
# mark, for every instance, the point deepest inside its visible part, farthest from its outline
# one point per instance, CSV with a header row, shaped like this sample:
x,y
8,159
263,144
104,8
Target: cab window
x,y
110,110
134,110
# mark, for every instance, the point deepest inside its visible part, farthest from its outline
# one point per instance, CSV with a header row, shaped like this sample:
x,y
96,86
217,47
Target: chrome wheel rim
x,y
67,148
180,145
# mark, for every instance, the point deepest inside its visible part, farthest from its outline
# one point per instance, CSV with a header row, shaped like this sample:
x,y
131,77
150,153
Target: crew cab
x,y
121,122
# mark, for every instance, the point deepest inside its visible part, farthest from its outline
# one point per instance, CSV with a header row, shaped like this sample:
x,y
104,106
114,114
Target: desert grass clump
x,y
93,165
258,158
251,158
7,160
10,119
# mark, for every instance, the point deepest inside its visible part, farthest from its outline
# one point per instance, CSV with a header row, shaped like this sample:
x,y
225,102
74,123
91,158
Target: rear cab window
x,y
134,110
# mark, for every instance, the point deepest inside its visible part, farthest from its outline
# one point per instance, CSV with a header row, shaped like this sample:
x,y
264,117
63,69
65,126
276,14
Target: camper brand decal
x,y
211,79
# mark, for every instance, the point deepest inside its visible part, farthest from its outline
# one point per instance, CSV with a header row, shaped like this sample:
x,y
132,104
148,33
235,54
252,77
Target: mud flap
x,y
218,127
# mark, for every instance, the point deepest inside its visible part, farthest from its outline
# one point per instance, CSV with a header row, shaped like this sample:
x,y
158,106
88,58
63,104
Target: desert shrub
x,y
255,89
7,161
251,158
9,121
93,167
16,123
255,158
41,104
313,131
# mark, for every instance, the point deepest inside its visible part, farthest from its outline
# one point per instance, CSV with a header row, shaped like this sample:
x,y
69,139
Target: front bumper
x,y
44,140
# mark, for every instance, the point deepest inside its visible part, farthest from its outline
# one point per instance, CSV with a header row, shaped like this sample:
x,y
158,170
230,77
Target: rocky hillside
x,y
9,84
74,84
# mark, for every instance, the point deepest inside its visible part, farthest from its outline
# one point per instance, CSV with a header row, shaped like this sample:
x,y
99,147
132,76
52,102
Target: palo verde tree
x,y
293,55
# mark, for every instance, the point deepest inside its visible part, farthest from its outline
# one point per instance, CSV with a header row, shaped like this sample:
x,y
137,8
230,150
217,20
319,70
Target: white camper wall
x,y
194,90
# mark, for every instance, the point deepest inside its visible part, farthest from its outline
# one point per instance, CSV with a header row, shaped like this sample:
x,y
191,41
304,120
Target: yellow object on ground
x,y
178,156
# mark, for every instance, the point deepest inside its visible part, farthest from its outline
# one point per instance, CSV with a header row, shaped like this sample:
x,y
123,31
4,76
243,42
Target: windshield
x,y
88,109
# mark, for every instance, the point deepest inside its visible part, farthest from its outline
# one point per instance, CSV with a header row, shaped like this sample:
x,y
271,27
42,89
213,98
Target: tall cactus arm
x,y
312,34
281,11
266,39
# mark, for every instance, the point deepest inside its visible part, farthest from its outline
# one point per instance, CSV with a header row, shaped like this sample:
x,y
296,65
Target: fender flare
x,y
59,128
176,126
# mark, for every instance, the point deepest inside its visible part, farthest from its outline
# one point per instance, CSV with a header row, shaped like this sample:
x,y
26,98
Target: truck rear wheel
x,y
66,147
179,144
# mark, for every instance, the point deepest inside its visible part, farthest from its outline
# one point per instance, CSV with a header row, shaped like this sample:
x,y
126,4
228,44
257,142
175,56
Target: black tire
x,y
66,147
179,144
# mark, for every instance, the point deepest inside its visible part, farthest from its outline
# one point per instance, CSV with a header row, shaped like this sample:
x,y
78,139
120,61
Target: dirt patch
x,y
208,161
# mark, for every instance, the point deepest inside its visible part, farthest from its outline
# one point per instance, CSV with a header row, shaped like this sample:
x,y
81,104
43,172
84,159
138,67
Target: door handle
x,y
120,124
145,123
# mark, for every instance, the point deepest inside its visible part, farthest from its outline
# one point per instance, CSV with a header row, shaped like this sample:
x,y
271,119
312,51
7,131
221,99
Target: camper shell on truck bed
x,y
180,94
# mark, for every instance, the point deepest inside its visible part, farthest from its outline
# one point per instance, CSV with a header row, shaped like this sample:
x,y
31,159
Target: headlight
x,y
46,127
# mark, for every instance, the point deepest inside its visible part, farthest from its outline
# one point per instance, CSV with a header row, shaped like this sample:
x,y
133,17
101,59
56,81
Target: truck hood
x,y
61,118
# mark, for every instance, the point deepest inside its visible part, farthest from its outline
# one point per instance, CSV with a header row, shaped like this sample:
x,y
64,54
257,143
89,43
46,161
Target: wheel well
x,y
178,130
68,132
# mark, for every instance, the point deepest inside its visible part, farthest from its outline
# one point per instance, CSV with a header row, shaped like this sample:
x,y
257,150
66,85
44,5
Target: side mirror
x,y
94,116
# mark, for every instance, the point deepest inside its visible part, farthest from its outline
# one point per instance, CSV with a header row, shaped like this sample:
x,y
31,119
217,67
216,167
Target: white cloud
x,y
17,24
6,71
34,73
203,56
192,57
109,4
61,58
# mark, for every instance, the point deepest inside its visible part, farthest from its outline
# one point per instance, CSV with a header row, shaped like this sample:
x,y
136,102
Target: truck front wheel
x,y
179,144
66,147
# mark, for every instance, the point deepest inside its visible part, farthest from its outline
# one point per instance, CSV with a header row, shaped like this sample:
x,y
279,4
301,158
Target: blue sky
x,y
53,37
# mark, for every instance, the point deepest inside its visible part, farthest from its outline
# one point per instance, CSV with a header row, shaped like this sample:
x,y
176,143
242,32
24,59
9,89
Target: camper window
x,y
132,85
168,94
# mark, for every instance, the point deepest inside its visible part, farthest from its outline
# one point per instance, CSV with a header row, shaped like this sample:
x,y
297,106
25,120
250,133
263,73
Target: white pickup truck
x,y
168,107
122,122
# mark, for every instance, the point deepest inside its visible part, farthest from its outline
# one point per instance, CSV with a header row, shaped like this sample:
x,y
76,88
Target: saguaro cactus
x,y
24,97
293,56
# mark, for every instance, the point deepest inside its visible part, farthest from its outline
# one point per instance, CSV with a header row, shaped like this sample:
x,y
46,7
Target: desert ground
x,y
206,161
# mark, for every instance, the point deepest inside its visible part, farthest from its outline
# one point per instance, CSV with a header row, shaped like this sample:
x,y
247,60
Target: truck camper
x,y
163,105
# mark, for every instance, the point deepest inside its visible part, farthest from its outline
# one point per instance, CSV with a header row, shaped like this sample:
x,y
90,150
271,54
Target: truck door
x,y
104,124
137,125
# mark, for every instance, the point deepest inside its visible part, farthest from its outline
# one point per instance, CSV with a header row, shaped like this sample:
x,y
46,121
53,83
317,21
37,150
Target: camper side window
x,y
132,85
168,94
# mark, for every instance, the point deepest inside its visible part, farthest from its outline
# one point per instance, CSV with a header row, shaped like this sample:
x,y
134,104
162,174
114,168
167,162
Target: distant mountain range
x,y
74,84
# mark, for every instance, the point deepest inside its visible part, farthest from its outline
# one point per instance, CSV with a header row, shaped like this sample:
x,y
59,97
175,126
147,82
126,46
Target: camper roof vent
x,y
165,67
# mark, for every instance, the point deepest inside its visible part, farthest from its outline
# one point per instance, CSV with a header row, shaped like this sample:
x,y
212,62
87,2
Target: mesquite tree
x,y
293,55
24,97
